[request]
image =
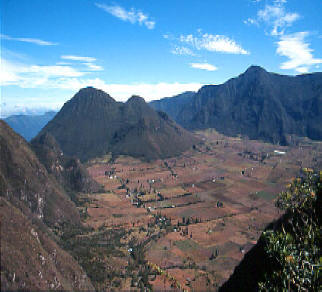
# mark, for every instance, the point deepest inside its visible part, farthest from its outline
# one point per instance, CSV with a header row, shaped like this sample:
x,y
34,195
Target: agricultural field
x,y
185,222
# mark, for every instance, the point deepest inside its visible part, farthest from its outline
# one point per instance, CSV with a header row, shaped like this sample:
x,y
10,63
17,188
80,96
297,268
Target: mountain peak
x,y
88,126
255,69
260,104
254,73
136,99
88,90
92,92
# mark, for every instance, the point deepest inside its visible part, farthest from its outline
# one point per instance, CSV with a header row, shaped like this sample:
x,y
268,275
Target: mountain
x,y
32,204
258,104
172,105
31,260
28,126
92,124
68,171
25,182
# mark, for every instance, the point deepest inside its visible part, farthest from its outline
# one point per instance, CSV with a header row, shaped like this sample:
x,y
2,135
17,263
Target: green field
x,y
185,245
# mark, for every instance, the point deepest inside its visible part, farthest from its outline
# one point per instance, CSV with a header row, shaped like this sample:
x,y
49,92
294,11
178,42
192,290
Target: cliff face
x,y
92,124
257,103
68,171
173,105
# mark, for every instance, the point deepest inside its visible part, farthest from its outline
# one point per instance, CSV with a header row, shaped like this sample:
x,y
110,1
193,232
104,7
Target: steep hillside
x,y
258,104
25,181
28,126
30,258
173,105
69,172
30,201
92,124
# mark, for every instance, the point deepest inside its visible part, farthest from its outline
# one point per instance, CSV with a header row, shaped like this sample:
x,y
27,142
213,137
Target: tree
x,y
295,248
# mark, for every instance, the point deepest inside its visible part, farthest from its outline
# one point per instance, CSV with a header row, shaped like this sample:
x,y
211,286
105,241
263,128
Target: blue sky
x,y
52,48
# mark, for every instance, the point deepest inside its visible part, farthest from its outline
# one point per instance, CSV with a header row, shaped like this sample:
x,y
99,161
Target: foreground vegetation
x,y
295,247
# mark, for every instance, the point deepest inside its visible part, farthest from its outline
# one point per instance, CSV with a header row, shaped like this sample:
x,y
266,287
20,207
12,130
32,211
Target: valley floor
x,y
183,222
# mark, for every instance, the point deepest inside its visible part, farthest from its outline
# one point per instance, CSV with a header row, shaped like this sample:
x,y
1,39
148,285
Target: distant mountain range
x,y
93,124
28,126
258,104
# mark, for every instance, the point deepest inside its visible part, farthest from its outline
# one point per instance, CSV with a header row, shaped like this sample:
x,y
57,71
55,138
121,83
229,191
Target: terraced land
x,y
192,218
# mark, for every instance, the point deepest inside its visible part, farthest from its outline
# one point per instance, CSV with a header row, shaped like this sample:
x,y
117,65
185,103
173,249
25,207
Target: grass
x,y
103,159
149,197
185,245
266,195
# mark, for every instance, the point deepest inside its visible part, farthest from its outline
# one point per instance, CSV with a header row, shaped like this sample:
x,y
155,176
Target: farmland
x,y
186,222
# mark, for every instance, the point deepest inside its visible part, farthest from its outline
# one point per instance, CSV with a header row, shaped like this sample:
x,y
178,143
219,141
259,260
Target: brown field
x,y
218,197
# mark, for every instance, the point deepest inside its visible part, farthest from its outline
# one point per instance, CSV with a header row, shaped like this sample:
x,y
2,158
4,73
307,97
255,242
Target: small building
x,y
277,152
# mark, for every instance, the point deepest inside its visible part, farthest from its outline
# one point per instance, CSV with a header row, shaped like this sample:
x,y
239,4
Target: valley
x,y
183,222
161,146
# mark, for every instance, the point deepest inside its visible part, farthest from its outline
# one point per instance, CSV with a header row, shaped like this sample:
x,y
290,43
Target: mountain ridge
x,y
32,205
68,171
92,124
28,126
259,104
25,180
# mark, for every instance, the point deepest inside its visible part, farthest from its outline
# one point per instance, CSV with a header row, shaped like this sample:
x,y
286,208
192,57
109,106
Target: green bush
x,y
295,246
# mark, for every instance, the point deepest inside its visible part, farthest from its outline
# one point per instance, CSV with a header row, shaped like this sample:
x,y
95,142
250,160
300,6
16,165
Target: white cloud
x,y
87,61
280,2
204,66
132,15
250,21
32,76
213,43
54,71
33,108
28,40
297,51
78,58
122,92
276,17
63,63
68,78
290,45
8,72
93,67
149,91
179,50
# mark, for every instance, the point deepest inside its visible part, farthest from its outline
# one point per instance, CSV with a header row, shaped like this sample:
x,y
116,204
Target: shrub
x,y
295,247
